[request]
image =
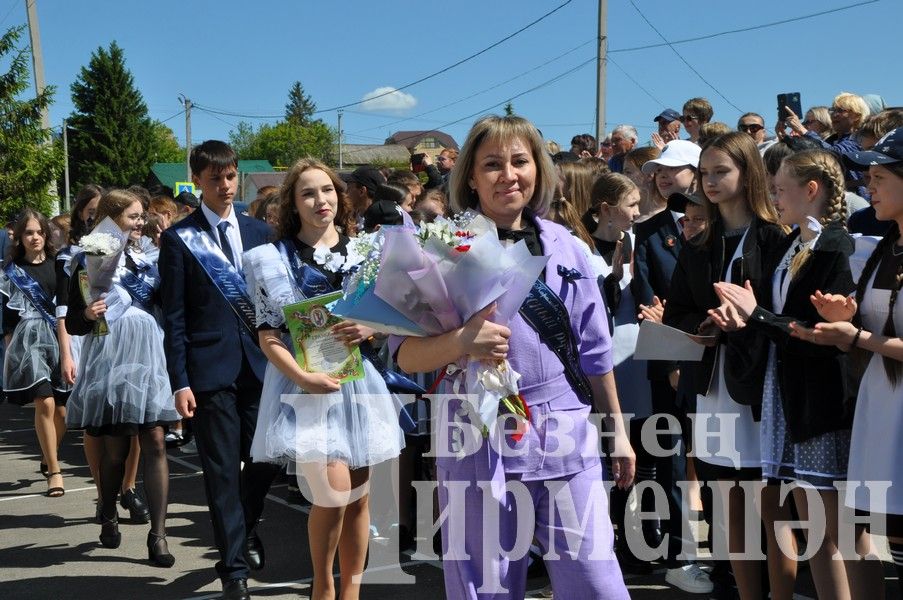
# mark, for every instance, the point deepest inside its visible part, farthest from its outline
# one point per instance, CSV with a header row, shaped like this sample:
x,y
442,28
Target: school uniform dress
x,y
31,366
875,451
359,424
806,419
122,385
471,484
728,380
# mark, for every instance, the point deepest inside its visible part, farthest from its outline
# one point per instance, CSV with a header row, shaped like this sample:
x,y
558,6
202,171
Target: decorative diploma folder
x,y
317,350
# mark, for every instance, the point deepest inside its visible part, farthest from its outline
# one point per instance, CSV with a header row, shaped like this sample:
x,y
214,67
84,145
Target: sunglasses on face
x,y
685,118
751,127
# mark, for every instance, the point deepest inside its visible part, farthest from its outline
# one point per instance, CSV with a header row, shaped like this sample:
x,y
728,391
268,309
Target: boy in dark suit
x,y
215,364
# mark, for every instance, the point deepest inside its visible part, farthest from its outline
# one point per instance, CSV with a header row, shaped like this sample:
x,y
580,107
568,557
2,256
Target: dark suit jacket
x,y
658,244
692,295
811,378
204,339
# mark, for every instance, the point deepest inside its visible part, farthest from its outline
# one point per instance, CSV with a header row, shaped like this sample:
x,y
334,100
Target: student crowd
x,y
780,256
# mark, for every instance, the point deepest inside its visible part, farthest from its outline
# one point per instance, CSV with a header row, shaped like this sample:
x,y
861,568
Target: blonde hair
x,y
114,202
502,130
821,167
563,212
854,104
578,184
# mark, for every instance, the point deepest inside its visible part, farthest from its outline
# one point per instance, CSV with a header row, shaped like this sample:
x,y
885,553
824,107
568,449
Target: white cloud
x,y
388,98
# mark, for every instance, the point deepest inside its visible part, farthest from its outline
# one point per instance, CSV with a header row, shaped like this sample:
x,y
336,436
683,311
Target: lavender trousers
x,y
488,530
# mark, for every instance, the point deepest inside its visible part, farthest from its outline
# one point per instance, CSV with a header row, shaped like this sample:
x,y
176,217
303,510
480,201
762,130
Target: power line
x,y
481,92
181,112
407,85
744,29
460,62
9,12
637,83
680,56
488,108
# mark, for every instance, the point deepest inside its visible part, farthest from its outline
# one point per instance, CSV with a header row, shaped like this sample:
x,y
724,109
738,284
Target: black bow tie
x,y
514,235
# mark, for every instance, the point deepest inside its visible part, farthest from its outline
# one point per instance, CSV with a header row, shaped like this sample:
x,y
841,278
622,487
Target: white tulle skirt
x,y
357,425
122,382
32,357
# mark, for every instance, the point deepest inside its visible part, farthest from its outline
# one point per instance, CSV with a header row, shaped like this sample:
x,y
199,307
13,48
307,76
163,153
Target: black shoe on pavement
x,y
236,589
138,511
254,554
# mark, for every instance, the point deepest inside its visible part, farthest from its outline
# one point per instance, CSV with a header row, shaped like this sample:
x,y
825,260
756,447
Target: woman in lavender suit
x,y
499,491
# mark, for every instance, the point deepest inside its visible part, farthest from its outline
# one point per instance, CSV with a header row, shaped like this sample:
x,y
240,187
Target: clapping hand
x,y
834,307
654,312
727,318
840,334
742,299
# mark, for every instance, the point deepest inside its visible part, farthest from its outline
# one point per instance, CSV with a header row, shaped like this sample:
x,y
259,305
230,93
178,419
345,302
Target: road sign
x,y
184,186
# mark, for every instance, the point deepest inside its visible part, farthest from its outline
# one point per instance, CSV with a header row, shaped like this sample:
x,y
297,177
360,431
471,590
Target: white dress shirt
x,y
232,231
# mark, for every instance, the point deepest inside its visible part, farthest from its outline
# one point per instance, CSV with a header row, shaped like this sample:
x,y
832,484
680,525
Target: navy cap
x,y
669,114
678,201
188,199
383,212
368,177
888,150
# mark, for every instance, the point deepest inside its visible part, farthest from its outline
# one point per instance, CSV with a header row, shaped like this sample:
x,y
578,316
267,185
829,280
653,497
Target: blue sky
x,y
242,57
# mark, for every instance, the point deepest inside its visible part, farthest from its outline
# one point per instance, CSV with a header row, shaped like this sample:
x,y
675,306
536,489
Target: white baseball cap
x,y
677,153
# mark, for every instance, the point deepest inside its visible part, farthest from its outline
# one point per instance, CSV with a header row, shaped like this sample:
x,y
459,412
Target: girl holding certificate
x,y
330,431
31,371
122,388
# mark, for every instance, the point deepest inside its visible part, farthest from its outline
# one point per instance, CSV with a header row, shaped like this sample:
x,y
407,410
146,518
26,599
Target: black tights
x,y
156,474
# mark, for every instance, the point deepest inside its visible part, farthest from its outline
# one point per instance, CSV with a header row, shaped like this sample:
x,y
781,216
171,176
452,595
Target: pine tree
x,y
29,162
300,107
509,109
112,137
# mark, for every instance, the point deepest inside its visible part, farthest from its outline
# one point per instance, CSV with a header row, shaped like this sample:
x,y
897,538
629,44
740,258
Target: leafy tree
x,y
112,141
283,143
165,145
29,162
509,109
300,107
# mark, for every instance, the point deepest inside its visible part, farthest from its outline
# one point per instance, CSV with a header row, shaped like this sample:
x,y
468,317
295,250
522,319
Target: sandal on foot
x,y
55,492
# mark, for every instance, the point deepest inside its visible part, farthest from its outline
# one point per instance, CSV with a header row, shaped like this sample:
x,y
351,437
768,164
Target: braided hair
x,y
893,368
821,167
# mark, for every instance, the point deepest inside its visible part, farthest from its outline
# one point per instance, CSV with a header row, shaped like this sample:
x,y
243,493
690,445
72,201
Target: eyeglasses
x,y
685,118
809,122
441,158
835,110
750,127
605,144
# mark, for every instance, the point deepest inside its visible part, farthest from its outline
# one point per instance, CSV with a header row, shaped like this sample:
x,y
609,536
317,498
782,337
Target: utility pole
x,y
65,165
37,59
600,70
187,103
340,139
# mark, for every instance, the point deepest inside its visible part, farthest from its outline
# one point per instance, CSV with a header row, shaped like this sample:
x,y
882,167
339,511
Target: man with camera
x,y
438,174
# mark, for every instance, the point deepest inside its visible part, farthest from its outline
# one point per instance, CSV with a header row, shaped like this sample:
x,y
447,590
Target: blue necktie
x,y
224,242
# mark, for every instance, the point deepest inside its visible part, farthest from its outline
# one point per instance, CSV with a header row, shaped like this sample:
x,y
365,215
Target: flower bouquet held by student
x,y
123,389
102,249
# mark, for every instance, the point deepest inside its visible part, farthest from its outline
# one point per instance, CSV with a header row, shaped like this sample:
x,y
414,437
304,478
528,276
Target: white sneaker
x,y
690,578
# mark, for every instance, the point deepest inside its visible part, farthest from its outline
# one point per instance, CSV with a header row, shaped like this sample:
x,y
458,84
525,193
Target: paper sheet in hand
x,y
660,342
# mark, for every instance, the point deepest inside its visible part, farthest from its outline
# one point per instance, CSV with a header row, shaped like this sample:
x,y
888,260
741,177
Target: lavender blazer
x,y
543,383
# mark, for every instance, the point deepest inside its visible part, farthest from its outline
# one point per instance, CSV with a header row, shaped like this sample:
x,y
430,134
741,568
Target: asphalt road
x,y
49,547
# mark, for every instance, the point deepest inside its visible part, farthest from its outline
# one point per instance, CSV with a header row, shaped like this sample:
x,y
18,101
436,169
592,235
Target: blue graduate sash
x,y
33,292
137,285
544,311
222,274
313,282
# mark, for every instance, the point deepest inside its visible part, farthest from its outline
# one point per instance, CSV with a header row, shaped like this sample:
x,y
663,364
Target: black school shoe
x,y
138,511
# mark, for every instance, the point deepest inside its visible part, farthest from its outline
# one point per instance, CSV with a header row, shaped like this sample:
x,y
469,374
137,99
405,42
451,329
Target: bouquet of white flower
x,y
102,247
